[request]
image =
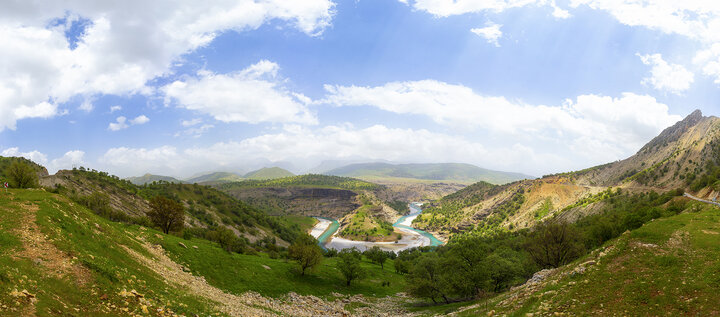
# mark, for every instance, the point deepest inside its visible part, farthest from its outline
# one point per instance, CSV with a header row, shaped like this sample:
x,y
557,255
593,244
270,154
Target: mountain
x,y
685,155
149,178
268,173
440,172
215,177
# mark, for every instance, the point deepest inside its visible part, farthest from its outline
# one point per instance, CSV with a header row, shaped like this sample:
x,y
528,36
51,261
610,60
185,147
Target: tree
x,y
377,255
349,265
553,244
427,278
306,251
465,256
167,214
22,175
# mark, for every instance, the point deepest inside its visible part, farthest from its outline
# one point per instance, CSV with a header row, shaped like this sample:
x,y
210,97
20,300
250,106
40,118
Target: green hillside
x,y
448,172
268,173
149,178
215,177
5,162
670,267
58,258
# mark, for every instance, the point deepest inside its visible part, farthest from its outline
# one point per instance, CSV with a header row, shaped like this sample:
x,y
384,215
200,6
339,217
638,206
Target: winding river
x,y
325,231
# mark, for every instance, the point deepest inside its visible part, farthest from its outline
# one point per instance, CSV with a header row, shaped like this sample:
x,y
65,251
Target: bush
x,y
553,244
22,175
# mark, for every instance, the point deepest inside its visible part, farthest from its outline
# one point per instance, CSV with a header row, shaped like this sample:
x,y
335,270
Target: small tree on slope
x,y
306,251
166,214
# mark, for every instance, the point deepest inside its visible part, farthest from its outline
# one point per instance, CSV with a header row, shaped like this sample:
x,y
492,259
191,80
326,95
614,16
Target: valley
x,y
369,249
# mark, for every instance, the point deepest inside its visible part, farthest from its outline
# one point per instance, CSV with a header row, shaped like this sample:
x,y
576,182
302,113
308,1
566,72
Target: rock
x,y
145,309
136,294
266,267
27,294
195,247
182,245
490,313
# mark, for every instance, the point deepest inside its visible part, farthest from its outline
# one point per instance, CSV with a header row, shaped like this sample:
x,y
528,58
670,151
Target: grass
x,y
670,266
364,226
304,222
93,244
238,273
72,230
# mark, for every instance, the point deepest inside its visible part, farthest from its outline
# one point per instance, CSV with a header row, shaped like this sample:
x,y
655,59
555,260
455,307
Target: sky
x,y
184,87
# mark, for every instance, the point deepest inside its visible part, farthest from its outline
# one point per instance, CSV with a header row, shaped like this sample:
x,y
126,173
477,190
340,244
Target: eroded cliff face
x,y
325,202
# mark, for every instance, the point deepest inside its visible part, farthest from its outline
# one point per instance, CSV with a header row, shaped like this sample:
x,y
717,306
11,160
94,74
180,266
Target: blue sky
x,y
518,85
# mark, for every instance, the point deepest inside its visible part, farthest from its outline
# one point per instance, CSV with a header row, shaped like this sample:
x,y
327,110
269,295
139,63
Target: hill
x,y
441,172
268,173
216,177
5,162
149,178
59,258
669,266
307,195
685,155
207,209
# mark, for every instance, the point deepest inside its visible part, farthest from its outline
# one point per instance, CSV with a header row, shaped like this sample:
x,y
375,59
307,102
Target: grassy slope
x,y
305,223
670,266
95,249
72,233
238,273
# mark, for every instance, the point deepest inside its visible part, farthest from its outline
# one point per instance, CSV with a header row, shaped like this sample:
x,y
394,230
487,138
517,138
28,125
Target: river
x,y
326,228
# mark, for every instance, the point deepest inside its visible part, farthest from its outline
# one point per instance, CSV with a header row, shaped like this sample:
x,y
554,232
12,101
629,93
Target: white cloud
x,y
34,156
710,59
141,119
558,12
119,124
695,19
192,122
252,95
115,108
307,147
124,45
122,123
616,126
67,161
445,8
491,33
664,76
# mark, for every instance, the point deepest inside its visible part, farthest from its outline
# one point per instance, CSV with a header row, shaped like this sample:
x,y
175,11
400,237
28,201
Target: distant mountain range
x,y
149,178
449,172
215,177
268,173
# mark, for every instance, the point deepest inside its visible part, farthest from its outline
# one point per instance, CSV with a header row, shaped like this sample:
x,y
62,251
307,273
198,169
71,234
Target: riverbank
x,y
326,233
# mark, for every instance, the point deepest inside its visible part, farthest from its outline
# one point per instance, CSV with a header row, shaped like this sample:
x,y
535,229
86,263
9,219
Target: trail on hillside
x,y
40,250
248,303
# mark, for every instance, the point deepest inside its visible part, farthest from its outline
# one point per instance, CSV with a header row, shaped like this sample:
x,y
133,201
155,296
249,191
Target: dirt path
x,y
701,200
40,250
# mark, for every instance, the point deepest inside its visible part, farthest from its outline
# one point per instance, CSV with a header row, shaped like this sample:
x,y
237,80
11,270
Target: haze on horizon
x,y
534,87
